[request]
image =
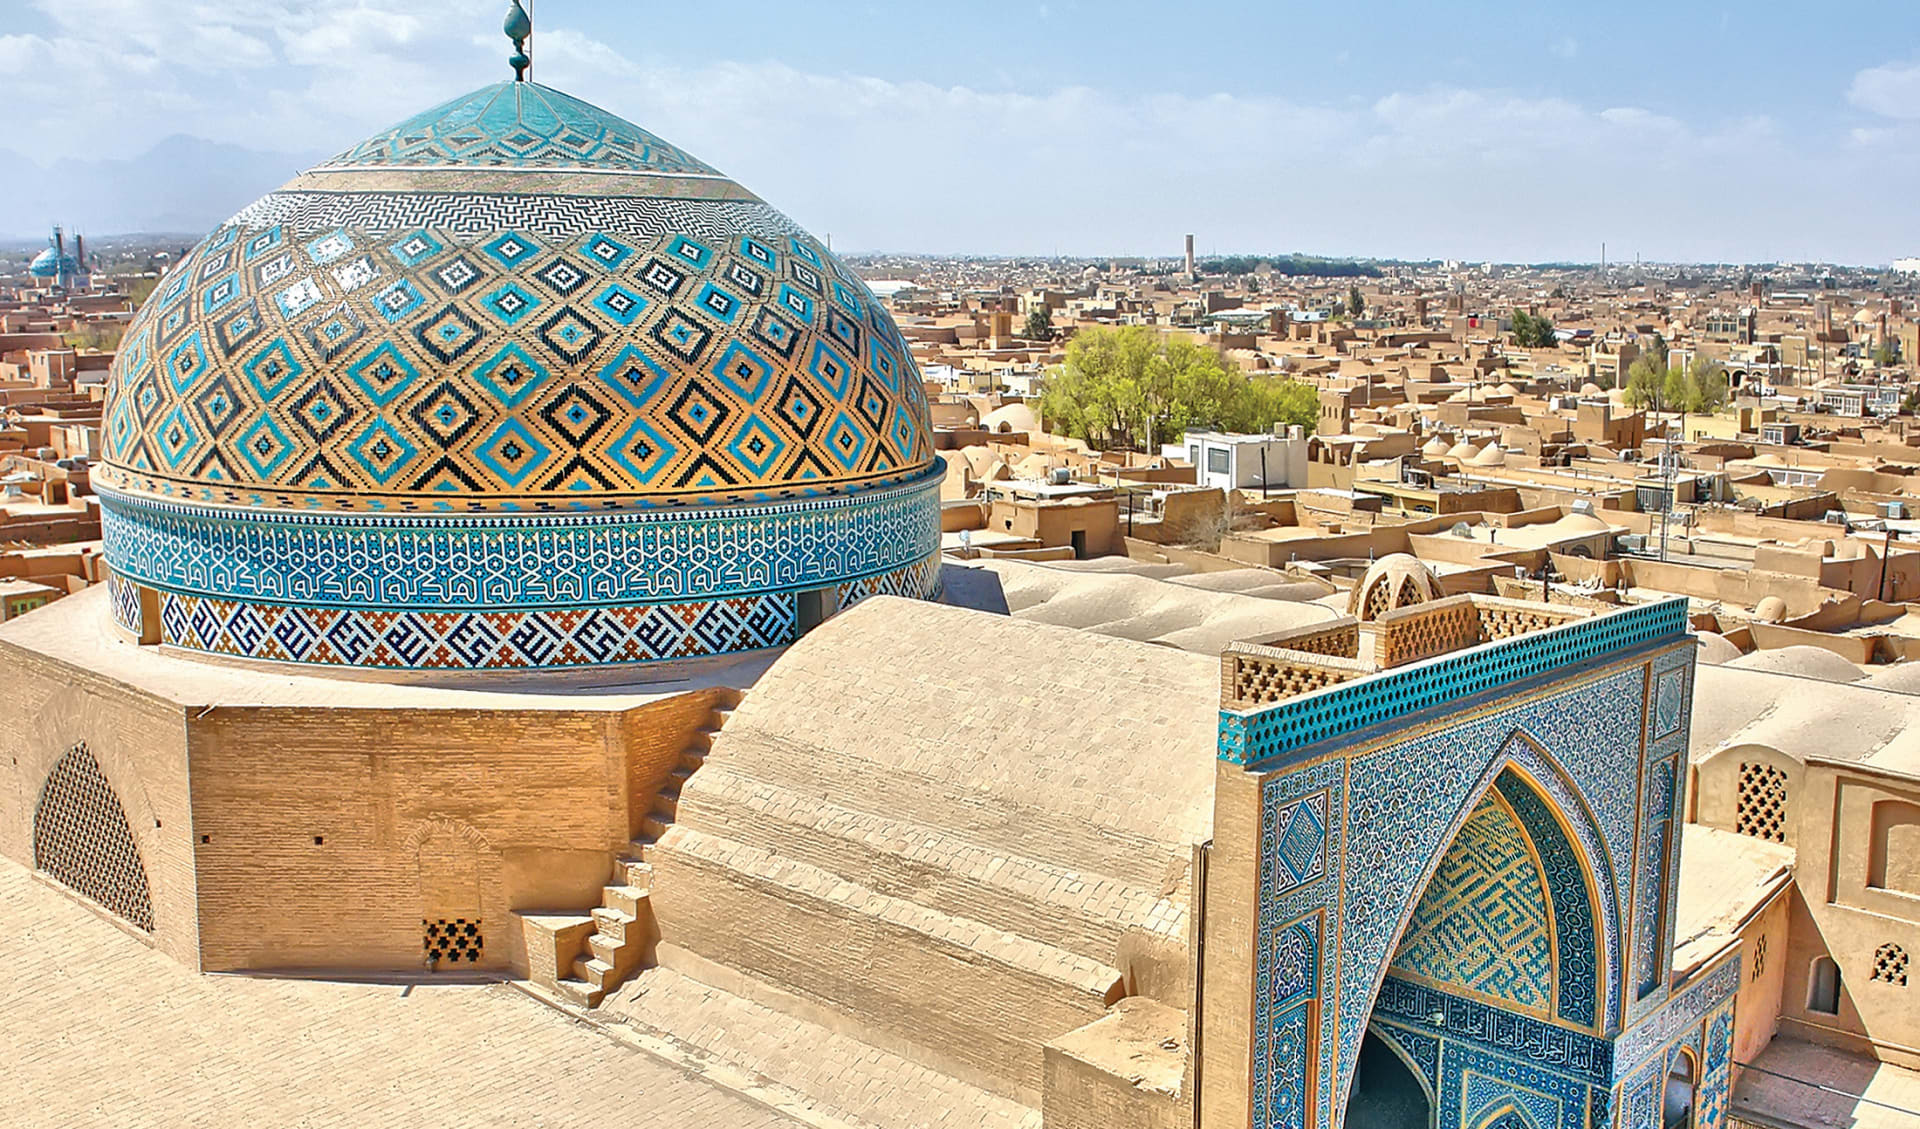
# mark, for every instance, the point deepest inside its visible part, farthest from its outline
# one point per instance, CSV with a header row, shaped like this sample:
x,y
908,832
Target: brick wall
x,y
138,740
322,835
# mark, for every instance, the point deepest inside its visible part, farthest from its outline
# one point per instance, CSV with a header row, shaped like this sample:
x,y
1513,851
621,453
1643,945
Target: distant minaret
x,y
1190,272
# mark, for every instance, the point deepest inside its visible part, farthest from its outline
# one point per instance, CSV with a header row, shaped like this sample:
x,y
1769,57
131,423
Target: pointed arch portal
x,y
1466,864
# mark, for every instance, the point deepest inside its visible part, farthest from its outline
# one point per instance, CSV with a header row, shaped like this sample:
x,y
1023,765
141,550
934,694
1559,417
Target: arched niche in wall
x,y
81,837
1893,850
456,869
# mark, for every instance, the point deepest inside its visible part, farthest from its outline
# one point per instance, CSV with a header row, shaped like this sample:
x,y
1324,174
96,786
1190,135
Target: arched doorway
x,y
1502,950
1386,1093
81,838
1676,1107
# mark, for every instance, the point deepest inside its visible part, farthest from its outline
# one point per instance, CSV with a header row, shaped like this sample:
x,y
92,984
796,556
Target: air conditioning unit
x,y
1633,542
1834,517
1583,507
1893,511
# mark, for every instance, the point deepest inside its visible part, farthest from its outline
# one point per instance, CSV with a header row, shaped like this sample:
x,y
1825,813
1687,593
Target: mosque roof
x,y
878,706
520,125
49,262
514,300
511,385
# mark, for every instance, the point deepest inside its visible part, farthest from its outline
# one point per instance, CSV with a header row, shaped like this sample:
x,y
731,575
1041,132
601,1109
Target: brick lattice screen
x,y
81,837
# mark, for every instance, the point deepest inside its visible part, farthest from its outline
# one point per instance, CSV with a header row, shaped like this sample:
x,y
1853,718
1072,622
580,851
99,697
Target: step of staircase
x,y
623,922
578,990
613,924
624,899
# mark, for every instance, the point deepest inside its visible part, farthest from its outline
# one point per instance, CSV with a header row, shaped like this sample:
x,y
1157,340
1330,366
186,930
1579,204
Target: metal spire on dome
x,y
519,28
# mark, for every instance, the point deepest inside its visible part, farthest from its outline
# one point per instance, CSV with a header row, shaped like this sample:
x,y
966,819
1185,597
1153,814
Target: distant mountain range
x,y
182,184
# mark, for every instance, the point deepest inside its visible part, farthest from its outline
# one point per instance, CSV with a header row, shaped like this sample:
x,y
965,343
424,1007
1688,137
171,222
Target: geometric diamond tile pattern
x,y
514,383
583,348
523,125
514,299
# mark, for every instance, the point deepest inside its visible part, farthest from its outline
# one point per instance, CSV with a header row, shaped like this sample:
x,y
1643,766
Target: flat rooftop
x,y
188,1049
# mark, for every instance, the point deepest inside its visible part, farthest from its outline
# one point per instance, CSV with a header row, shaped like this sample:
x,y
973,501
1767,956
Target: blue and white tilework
x,y
1576,735
505,561
512,383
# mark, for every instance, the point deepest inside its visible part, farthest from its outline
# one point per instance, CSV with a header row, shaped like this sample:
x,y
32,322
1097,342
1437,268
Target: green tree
x,y
101,337
1039,325
1706,388
1883,356
1701,388
1530,332
1356,304
1133,386
1647,381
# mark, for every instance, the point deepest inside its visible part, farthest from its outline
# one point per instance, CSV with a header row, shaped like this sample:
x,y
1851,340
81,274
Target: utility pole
x,y
1885,552
1668,457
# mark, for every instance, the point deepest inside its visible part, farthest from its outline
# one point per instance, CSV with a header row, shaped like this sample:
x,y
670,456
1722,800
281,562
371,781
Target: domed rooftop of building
x,y
1804,661
1397,580
47,264
514,299
644,393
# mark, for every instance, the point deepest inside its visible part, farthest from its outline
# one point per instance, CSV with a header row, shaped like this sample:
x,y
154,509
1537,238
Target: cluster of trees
x,y
103,337
1356,305
1039,325
1305,265
1530,332
1697,388
1134,387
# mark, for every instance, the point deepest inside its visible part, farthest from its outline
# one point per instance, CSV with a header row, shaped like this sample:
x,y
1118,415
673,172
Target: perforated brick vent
x,y
1890,965
1759,956
453,941
81,837
1762,807
1379,602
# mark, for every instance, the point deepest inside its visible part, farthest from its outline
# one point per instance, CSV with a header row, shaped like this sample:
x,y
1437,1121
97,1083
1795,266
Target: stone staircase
x,y
593,953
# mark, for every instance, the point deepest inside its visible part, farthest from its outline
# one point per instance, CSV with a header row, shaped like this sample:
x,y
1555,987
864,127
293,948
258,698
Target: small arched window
x,y
1676,1106
1823,987
1890,964
1760,809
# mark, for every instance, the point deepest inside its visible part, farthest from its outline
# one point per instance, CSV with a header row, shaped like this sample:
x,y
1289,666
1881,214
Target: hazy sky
x,y
1507,130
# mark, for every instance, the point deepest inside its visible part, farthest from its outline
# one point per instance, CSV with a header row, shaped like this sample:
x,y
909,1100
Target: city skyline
x,y
1521,135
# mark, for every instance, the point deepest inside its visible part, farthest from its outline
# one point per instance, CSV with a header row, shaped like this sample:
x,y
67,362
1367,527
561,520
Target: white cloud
x,y
1565,47
1892,90
1448,170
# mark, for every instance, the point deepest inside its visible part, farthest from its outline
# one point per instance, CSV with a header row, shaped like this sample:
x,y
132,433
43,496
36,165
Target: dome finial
x,y
519,28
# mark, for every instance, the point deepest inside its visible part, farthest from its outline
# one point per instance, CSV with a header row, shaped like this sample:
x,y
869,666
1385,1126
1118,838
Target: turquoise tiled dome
x,y
512,357
513,300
